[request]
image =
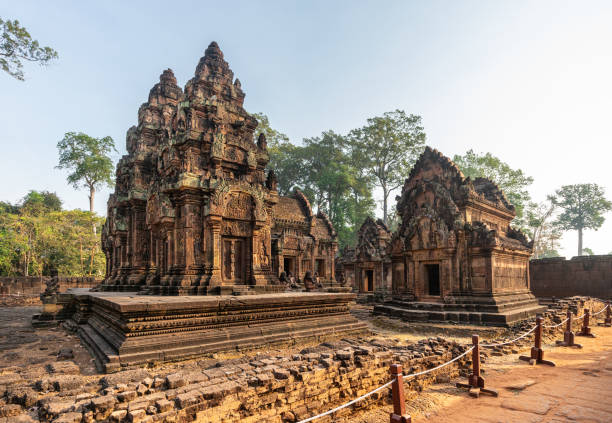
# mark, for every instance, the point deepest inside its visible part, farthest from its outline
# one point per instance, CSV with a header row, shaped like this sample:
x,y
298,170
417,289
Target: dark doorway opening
x,y
321,268
433,278
370,279
289,266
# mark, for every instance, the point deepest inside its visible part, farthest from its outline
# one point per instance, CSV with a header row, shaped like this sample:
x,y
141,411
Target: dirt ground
x,y
578,389
21,345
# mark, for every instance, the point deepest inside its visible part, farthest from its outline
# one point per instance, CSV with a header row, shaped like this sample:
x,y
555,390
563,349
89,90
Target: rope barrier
x,y
600,311
333,410
510,342
413,375
555,326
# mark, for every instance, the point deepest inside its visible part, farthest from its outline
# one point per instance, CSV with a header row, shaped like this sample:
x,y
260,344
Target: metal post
x,y
537,354
568,335
475,381
608,320
399,403
585,330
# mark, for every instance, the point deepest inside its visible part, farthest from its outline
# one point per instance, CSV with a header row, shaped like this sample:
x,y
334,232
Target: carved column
x,y
214,223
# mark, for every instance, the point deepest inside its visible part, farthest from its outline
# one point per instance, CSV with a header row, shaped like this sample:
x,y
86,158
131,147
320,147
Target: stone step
x,y
104,354
473,317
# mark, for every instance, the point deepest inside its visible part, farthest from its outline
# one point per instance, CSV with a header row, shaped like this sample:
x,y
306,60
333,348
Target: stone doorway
x,y
234,260
432,272
320,268
370,280
289,266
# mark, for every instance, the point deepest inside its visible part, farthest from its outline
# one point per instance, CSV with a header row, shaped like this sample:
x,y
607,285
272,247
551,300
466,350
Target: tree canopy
x,y
542,230
16,45
36,235
582,207
513,182
386,148
323,169
89,161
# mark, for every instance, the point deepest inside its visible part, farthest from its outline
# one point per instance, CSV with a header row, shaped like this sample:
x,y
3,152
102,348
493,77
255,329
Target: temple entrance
x,y
433,279
369,280
234,260
320,268
289,266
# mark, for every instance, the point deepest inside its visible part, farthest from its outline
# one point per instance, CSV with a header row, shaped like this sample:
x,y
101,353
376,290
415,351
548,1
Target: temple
x,y
194,211
455,256
367,267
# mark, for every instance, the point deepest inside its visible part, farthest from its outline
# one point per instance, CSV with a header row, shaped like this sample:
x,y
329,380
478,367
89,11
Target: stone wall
x,y
585,275
264,389
35,285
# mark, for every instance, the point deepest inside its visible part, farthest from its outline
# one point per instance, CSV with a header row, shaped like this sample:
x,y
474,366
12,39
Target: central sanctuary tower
x,y
194,211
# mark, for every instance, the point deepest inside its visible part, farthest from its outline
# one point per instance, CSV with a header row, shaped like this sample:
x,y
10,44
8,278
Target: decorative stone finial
x,y
167,77
213,50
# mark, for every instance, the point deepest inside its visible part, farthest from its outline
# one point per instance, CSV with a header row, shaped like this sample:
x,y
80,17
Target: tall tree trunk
x,y
579,241
92,194
385,199
91,261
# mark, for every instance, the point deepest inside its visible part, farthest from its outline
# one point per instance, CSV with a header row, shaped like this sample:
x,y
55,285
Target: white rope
x,y
555,326
440,366
601,311
333,410
510,342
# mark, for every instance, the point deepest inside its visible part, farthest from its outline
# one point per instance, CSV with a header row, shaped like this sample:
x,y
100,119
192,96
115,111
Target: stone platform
x,y
491,311
124,329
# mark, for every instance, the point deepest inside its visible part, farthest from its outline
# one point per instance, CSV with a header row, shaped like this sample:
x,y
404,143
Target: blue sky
x,y
531,82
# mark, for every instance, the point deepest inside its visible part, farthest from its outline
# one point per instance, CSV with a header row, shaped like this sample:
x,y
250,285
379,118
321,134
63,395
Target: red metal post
x,y
608,320
568,335
585,330
475,381
399,402
537,354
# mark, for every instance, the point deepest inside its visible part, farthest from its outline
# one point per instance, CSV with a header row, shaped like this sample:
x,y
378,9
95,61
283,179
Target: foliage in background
x,y
36,235
16,45
88,160
513,182
541,229
386,149
323,169
583,207
586,251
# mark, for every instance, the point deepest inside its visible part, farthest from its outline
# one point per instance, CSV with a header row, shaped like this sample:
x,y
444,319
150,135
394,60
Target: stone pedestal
x,y
124,329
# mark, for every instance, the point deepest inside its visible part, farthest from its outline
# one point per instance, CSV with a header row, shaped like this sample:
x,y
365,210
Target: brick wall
x,y
35,285
585,275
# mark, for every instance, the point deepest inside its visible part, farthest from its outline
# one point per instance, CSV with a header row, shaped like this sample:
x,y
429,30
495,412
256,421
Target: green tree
x,y
323,169
513,182
334,185
38,201
16,45
386,148
273,137
541,229
587,251
285,158
88,160
583,207
35,239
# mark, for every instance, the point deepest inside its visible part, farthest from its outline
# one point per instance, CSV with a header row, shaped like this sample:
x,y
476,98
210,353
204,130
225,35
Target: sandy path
x,y
578,389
